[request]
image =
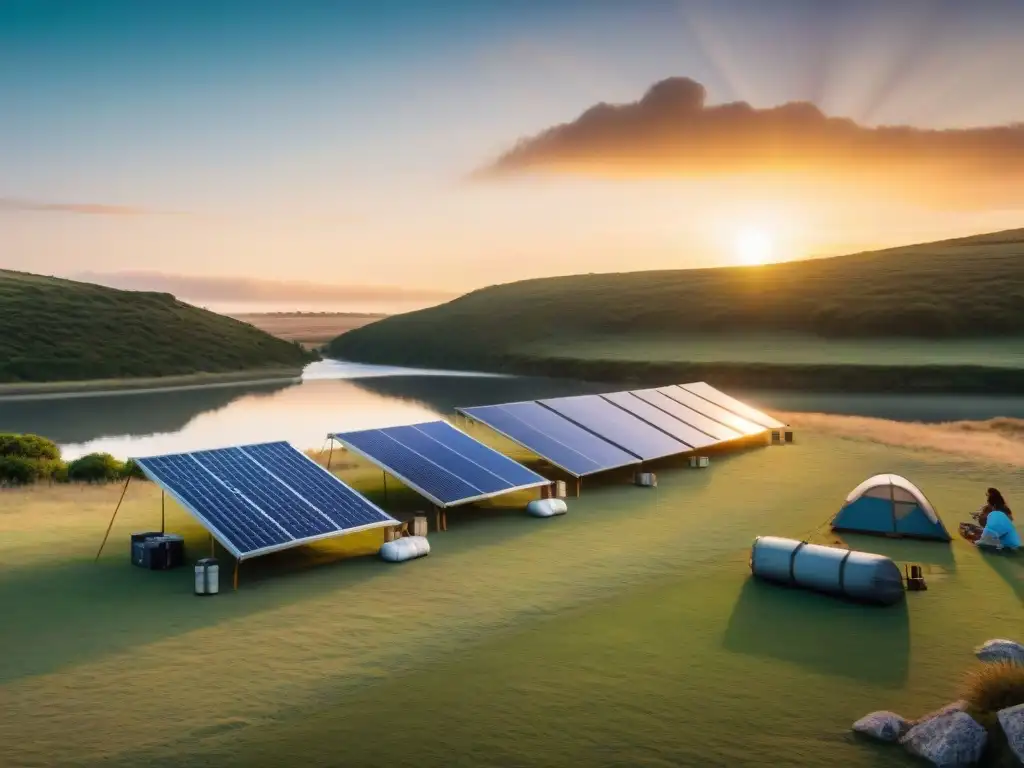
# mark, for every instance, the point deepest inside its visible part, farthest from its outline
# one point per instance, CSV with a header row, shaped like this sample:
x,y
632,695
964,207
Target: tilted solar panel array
x,y
594,433
440,462
256,499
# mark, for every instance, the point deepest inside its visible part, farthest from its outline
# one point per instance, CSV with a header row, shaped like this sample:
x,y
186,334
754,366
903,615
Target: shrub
x,y
996,686
28,446
18,470
95,468
131,469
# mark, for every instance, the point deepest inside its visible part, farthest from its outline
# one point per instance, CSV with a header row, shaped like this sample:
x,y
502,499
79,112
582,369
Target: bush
x,y
995,686
132,470
18,470
95,468
28,446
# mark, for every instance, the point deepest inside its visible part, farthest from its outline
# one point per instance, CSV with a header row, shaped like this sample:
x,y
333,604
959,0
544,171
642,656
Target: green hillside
x,y
60,330
953,304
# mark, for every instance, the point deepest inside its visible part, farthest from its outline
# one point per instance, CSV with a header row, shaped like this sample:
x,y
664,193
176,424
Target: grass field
x,y
625,633
942,316
54,330
311,329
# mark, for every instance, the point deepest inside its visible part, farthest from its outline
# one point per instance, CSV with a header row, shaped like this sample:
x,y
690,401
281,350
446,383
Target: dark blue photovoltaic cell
x,y
643,410
732,404
262,496
690,416
512,472
344,506
616,426
446,458
409,465
300,519
549,435
239,522
711,410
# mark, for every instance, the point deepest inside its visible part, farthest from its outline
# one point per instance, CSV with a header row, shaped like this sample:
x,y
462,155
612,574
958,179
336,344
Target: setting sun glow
x,y
753,247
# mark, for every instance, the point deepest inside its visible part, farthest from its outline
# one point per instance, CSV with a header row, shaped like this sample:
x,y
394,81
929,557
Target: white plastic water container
x,y
405,548
699,462
547,507
560,489
645,479
207,576
419,526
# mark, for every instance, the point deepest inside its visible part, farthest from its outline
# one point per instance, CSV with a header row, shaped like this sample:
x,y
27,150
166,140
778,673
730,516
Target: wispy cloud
x,y
671,131
88,209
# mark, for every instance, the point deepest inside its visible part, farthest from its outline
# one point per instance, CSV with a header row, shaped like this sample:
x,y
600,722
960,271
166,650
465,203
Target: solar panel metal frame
x,y
749,412
467,412
225,541
339,437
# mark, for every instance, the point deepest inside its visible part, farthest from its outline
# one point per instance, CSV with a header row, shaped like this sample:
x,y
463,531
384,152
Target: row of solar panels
x,y
595,433
258,499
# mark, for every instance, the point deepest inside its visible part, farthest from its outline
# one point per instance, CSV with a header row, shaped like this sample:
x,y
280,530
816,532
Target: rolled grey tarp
x,y
843,572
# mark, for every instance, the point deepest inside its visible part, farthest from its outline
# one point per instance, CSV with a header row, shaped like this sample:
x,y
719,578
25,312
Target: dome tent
x,y
890,505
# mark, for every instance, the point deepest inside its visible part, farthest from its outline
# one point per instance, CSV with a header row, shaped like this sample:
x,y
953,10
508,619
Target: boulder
x,y
952,739
1012,721
883,725
1000,650
956,706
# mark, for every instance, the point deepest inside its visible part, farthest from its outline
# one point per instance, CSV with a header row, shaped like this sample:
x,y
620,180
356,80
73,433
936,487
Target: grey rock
x,y
1000,650
1012,721
883,725
949,740
956,706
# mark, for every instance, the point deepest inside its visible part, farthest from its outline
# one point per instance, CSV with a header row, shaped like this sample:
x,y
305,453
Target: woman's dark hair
x,y
996,501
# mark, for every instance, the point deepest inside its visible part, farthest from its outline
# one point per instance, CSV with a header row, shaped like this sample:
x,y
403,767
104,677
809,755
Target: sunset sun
x,y
753,247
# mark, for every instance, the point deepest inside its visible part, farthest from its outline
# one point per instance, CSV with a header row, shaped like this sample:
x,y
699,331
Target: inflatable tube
x,y
547,507
841,572
406,548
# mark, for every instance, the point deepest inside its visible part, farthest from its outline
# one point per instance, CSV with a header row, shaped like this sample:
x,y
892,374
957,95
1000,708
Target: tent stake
x,y
111,525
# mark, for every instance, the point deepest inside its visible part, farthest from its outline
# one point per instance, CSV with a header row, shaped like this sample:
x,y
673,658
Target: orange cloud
x,y
671,131
93,209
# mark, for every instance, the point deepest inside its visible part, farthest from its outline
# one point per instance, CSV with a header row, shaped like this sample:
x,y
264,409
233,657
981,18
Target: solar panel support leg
x,y
385,476
111,524
163,513
579,486
236,574
213,546
330,453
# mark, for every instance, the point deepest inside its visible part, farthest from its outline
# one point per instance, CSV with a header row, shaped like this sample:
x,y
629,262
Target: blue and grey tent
x,y
890,505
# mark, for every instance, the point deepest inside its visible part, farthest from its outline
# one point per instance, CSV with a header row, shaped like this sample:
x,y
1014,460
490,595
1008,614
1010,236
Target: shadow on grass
x,y
1010,567
824,634
64,613
932,554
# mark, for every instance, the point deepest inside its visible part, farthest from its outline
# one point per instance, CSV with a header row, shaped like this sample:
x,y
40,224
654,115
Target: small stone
x,y
883,725
1000,650
949,740
1012,721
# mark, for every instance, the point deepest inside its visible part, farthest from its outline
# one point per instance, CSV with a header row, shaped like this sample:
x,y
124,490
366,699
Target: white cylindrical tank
x,y
406,548
207,576
547,507
857,575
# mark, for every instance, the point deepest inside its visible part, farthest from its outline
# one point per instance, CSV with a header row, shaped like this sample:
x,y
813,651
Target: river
x,y
335,396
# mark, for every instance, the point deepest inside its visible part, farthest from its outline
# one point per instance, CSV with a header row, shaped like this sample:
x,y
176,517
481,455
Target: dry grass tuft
x,y
991,687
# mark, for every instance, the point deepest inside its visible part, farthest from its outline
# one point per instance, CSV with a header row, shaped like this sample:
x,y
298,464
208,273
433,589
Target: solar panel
x,y
257,499
616,426
699,420
643,410
443,464
551,436
711,410
717,397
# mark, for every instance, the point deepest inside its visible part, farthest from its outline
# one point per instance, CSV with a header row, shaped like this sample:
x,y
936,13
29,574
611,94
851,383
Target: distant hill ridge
x,y
963,288
52,329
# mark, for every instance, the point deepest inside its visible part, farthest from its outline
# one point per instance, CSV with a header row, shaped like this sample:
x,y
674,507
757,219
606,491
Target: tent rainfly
x,y
890,505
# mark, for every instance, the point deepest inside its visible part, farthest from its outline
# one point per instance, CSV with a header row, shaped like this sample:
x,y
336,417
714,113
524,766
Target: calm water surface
x,y
335,396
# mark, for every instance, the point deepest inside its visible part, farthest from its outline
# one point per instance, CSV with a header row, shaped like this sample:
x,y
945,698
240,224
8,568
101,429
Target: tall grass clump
x,y
987,689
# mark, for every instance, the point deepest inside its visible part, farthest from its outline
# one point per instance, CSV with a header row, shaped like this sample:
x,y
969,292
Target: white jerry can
x,y
207,576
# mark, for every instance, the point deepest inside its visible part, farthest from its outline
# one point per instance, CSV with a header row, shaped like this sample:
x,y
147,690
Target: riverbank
x,y
102,387
531,636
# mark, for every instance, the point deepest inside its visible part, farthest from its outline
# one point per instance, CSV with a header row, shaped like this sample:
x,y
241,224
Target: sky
x,y
333,148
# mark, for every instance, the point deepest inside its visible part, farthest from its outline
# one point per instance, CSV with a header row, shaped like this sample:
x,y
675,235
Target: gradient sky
x,y
332,141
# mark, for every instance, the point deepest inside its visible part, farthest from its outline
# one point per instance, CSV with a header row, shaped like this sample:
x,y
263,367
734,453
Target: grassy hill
x,y
953,311
60,330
